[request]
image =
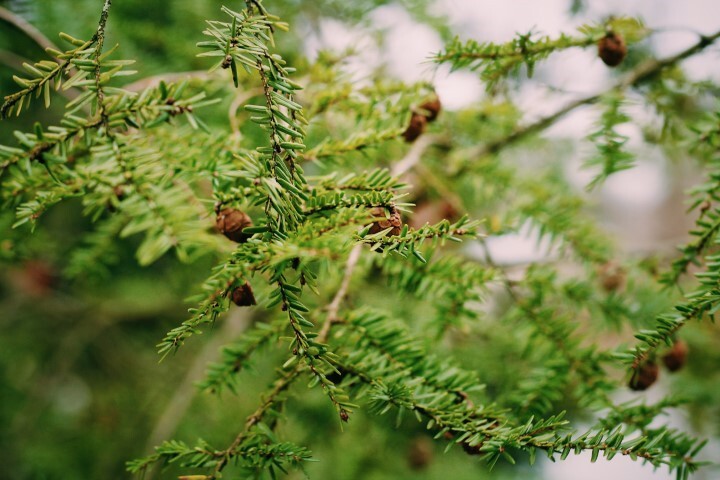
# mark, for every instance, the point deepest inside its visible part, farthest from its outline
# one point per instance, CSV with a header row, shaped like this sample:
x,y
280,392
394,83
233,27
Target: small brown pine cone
x,y
119,192
394,221
431,109
612,276
644,376
612,49
416,127
243,296
420,453
231,223
227,61
344,416
705,206
676,357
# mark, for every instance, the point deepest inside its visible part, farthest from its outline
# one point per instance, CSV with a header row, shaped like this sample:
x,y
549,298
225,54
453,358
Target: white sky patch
x,y
408,44
576,467
576,124
563,69
457,89
520,248
644,186
337,36
491,20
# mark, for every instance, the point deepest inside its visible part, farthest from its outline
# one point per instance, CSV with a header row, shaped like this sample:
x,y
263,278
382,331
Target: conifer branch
x,y
704,195
139,173
270,400
43,73
704,301
585,362
641,73
99,40
498,61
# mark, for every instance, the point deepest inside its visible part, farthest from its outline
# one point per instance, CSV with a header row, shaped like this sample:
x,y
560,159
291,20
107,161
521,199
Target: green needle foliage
x,y
366,294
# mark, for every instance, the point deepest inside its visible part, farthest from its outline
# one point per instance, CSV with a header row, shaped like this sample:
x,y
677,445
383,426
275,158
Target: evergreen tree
x,y
338,218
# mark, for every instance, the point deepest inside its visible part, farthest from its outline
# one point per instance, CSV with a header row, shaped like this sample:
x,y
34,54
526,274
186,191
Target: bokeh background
x,y
81,390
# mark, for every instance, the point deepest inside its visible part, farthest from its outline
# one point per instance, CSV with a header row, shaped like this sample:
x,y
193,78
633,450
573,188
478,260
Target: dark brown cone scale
x,y
420,453
416,127
612,276
394,221
231,223
645,375
119,192
612,49
676,357
243,296
431,108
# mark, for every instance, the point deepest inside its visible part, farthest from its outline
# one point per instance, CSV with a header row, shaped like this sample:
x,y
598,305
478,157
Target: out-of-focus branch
x,y
182,398
413,155
640,73
155,80
23,25
334,306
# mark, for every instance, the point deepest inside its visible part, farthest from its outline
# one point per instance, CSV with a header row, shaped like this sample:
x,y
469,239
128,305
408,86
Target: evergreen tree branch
x,y
177,406
44,72
236,356
483,434
138,176
641,73
586,363
704,301
707,224
270,399
99,40
498,61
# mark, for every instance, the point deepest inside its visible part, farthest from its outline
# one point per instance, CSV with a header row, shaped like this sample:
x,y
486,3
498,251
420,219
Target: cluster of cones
x,y
424,114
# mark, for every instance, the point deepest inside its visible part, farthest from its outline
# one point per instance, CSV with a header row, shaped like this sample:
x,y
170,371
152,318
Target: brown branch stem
x,y
334,306
281,384
99,38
